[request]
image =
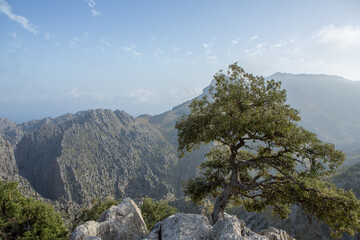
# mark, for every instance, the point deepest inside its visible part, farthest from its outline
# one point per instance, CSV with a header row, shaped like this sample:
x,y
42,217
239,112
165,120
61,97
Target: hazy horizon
x,y
146,57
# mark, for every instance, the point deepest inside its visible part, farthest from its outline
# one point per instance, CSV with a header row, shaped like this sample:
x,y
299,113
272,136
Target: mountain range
x,y
102,152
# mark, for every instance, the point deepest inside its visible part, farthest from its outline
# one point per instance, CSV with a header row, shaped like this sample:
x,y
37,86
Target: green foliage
x,y
155,211
75,214
97,207
262,157
25,218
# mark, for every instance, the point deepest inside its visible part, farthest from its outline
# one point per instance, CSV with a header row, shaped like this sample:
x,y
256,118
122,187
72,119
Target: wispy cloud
x,y
210,56
95,12
131,49
253,38
93,95
14,35
91,3
341,37
48,36
259,49
141,95
330,50
181,96
207,45
235,41
24,22
160,54
105,42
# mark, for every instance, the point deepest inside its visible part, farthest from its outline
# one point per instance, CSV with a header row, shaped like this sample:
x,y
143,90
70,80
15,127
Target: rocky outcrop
x,y
125,221
231,228
276,234
182,226
121,222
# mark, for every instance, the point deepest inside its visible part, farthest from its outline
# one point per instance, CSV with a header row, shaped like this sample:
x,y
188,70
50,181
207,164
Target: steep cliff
x,y
97,153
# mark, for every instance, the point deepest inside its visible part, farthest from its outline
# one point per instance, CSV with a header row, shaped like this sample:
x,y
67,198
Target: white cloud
x,y
105,42
91,3
74,93
24,22
207,45
329,50
48,35
188,53
253,38
95,12
131,49
236,41
160,55
13,34
181,96
259,49
136,53
141,95
279,44
127,49
176,48
210,56
341,37
16,44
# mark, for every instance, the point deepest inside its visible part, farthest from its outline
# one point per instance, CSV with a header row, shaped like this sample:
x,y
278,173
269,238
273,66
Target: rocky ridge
x,y
125,221
95,153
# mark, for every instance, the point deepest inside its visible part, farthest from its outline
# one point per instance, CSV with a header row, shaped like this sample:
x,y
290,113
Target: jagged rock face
x,y
8,168
121,222
9,171
98,153
182,226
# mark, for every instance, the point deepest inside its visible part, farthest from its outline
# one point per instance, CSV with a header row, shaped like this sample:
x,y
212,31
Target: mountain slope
x,y
97,153
328,105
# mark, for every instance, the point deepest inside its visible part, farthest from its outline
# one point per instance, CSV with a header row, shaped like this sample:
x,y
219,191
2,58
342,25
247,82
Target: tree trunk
x,y
221,202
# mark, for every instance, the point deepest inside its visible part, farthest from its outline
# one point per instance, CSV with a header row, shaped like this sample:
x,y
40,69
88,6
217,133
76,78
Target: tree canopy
x,y
155,211
261,156
25,218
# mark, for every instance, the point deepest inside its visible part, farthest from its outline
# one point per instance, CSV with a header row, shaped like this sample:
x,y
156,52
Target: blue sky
x,y
148,56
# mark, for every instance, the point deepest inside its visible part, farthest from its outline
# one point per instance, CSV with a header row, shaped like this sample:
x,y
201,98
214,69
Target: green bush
x,y
97,207
26,218
155,211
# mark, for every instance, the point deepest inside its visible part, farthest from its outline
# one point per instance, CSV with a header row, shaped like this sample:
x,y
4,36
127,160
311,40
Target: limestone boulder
x,y
276,234
182,226
121,222
231,228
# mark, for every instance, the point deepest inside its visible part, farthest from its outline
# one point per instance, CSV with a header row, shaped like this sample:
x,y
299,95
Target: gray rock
x,y
276,234
82,232
93,238
182,226
231,228
121,222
